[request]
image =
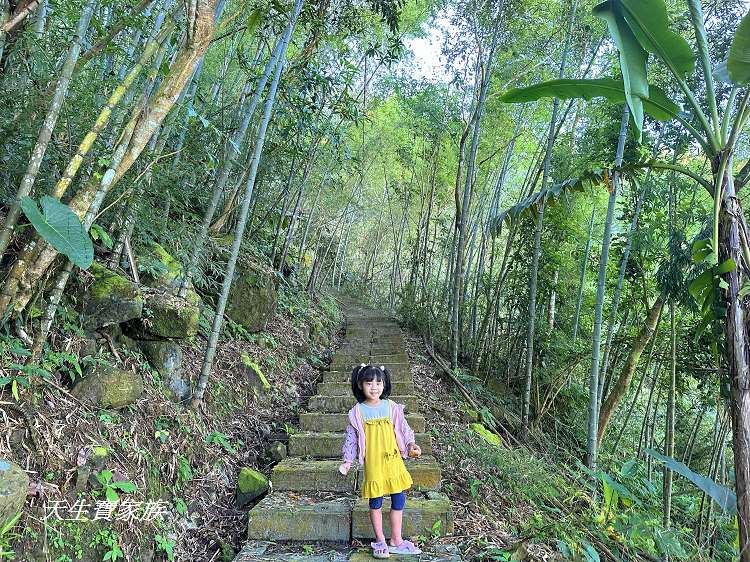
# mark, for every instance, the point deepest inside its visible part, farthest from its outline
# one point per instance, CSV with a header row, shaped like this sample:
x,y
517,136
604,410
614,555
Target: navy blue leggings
x,y
397,501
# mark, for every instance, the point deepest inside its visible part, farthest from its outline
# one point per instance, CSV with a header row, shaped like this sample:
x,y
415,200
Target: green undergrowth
x,y
157,450
552,504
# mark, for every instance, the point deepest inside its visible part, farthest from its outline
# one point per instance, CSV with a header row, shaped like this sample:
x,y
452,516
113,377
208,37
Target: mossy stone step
x,y
388,359
289,517
420,515
350,358
299,475
342,404
345,388
398,373
316,421
328,444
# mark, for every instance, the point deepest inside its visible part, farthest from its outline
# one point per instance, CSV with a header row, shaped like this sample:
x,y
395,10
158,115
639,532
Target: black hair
x,y
366,373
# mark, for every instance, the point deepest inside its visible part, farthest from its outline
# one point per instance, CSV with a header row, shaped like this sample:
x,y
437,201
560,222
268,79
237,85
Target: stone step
x,y
316,421
420,515
298,475
338,374
342,404
297,553
291,517
350,358
345,388
388,359
328,444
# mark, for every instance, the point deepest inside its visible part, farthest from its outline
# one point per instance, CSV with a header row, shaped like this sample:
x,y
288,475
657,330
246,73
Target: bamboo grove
x,y
555,206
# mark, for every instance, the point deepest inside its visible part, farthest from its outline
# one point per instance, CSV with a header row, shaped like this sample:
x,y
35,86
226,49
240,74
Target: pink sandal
x,y
406,547
380,550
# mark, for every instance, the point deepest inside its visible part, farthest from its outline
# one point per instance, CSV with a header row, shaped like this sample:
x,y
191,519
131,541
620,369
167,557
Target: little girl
x,y
378,429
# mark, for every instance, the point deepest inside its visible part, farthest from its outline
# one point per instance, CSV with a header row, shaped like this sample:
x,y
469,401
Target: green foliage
x,y
110,488
110,540
165,544
219,438
724,497
7,536
60,226
738,63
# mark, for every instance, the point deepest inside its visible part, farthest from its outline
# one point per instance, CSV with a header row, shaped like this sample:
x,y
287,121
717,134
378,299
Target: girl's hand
x,y
414,450
344,468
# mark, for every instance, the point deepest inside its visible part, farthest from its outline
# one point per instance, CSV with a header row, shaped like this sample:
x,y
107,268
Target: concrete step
x,y
298,475
338,373
420,514
345,388
328,444
291,517
316,421
297,553
388,359
347,358
342,404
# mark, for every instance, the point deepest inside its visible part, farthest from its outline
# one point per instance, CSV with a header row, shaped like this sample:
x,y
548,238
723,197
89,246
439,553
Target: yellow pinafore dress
x,y
385,472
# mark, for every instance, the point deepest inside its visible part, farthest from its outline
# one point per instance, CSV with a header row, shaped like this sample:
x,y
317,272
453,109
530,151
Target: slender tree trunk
x,y
218,321
231,153
623,382
593,429
612,323
552,298
670,426
45,133
582,281
464,207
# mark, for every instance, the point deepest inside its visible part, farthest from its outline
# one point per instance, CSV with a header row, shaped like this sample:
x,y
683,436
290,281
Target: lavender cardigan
x,y
355,434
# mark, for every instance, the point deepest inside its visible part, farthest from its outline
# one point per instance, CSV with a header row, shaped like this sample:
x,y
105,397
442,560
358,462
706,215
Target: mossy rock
x,y
170,316
14,484
486,434
254,376
166,357
252,299
251,484
111,299
109,388
171,268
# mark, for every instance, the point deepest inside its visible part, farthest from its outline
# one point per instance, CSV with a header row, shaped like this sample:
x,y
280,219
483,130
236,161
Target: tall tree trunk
x,y
552,299
582,281
45,133
732,226
218,321
593,429
464,207
670,425
623,382
525,408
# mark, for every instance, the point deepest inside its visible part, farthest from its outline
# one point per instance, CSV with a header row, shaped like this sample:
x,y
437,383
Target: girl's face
x,y
372,389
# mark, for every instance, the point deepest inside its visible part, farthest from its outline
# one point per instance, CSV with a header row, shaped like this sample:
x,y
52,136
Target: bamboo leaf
x,y
650,24
61,227
657,105
724,497
738,62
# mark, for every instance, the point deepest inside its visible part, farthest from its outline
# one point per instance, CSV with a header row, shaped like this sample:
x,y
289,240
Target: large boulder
x,y
166,357
111,299
109,388
252,300
14,483
167,315
251,484
168,270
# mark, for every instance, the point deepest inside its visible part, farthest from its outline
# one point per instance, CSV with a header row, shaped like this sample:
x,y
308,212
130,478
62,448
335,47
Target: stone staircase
x,y
311,501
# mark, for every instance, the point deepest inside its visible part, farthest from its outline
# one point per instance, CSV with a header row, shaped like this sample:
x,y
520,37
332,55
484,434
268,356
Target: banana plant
x,y
643,35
